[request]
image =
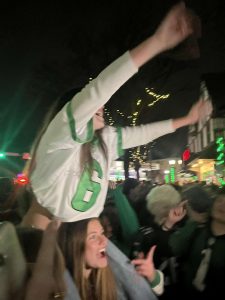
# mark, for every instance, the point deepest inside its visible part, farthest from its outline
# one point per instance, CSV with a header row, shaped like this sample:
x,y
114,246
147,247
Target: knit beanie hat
x,y
160,200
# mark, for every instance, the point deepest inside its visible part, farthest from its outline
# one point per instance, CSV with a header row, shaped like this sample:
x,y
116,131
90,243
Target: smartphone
x,y
13,270
136,249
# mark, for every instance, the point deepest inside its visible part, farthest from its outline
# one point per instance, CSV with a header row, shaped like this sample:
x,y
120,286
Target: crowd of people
x,y
83,239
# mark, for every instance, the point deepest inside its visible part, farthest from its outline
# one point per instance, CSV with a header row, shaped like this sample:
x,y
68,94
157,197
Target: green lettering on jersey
x,y
87,184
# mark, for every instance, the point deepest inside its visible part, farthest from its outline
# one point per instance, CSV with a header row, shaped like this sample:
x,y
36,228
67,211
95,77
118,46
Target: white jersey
x,y
57,180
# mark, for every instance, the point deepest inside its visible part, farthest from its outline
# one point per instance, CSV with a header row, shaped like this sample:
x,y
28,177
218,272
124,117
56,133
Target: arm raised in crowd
x,y
175,27
145,267
47,279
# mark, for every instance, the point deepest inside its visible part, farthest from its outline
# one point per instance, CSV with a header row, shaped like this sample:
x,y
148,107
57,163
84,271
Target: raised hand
x,y
199,111
145,266
175,27
176,214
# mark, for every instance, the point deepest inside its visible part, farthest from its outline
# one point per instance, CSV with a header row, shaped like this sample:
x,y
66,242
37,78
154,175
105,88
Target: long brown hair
x,y
71,239
86,159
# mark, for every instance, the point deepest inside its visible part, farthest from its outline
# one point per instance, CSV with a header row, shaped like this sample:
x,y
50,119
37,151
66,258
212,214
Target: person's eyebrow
x,y
92,232
101,231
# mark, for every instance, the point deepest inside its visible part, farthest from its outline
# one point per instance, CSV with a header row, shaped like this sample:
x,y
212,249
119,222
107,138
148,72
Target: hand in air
x,y
175,27
200,111
145,266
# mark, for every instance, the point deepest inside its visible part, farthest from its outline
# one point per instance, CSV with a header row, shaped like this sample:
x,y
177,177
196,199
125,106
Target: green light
x,y
222,182
2,155
220,148
172,174
167,180
220,156
219,162
219,140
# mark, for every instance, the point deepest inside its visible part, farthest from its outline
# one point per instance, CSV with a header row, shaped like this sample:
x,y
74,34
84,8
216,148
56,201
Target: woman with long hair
x,y
73,156
83,245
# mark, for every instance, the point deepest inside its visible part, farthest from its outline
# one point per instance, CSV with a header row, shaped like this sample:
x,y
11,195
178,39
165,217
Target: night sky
x,y
50,50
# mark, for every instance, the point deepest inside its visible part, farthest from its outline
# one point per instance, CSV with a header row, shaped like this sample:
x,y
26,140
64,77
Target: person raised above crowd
x,y
71,161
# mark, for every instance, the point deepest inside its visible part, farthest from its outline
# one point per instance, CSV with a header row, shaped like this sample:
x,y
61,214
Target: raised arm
x,y
174,28
141,135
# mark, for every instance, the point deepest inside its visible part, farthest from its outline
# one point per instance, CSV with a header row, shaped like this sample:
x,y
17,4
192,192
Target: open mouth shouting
x,y
102,253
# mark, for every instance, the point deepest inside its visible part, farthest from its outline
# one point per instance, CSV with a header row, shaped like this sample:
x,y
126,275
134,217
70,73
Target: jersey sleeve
x,y
128,218
118,139
158,284
113,140
143,134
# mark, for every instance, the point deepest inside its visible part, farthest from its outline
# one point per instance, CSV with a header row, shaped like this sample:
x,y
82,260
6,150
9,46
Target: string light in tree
x,y
108,117
138,102
139,154
157,97
134,116
120,113
133,119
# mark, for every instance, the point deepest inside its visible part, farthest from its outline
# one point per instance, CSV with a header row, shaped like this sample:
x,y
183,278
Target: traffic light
x,y
220,150
186,154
